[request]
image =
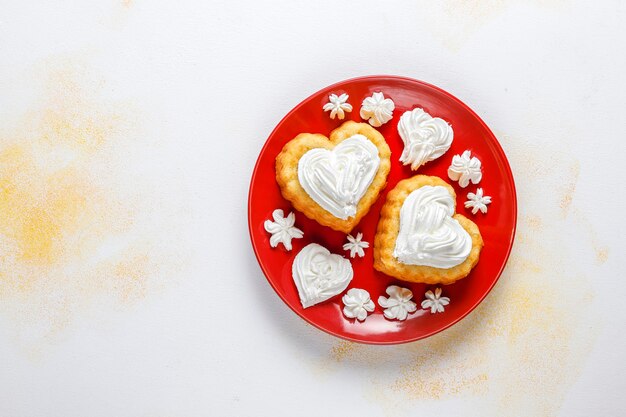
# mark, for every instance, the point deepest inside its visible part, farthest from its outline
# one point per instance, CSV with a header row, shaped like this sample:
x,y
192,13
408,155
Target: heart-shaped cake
x,y
419,236
319,274
334,180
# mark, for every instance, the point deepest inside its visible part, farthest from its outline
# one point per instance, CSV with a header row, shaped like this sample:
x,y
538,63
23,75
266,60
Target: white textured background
x,y
129,288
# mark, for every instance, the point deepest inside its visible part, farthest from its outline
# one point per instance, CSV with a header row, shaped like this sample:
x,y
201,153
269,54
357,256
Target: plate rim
x,y
499,150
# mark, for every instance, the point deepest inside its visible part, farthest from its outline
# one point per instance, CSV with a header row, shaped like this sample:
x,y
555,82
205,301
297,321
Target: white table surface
x,y
128,133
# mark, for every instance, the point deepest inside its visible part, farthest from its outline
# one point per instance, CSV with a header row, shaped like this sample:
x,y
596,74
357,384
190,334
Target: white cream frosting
x,y
435,302
425,138
377,109
428,234
357,304
338,106
319,274
337,179
465,168
282,229
398,305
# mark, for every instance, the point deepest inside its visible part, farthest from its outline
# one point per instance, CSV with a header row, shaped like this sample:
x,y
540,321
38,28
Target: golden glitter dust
x,y
67,236
524,346
342,349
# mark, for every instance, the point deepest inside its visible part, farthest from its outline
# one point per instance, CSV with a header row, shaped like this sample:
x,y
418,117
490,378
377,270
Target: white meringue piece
x,y
282,229
465,168
377,109
357,304
435,302
478,201
338,106
356,245
399,305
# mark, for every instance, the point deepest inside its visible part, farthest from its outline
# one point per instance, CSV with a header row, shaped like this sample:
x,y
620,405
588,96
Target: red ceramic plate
x,y
497,226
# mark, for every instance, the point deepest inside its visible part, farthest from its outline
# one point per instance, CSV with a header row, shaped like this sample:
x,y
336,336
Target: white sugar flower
x,y
282,229
378,109
435,301
338,106
465,168
399,304
478,201
355,245
357,303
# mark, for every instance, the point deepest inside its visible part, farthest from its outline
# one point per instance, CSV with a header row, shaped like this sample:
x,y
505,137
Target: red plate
x,y
497,226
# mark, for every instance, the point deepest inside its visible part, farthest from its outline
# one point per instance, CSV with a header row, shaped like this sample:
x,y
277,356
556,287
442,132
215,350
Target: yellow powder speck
x,y
534,222
567,198
131,275
602,255
525,264
569,187
37,235
599,249
339,351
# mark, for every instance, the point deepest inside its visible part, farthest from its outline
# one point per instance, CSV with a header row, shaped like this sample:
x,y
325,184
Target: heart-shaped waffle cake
x,y
334,180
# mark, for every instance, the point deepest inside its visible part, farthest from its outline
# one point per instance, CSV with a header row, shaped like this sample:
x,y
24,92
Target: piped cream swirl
x,y
337,179
429,236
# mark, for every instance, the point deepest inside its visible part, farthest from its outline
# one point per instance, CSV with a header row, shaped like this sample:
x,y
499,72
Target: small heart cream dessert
x,y
425,138
419,236
319,274
335,180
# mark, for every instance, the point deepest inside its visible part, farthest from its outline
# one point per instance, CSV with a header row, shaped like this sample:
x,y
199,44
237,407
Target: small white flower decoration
x,y
282,229
435,301
357,303
465,168
355,245
338,106
377,109
399,304
478,201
